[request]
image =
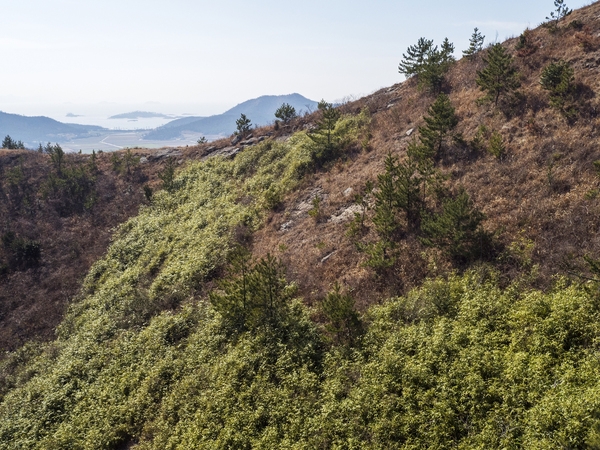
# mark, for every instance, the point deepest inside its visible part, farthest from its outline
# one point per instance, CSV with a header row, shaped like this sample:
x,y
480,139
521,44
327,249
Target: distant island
x,y
141,115
73,115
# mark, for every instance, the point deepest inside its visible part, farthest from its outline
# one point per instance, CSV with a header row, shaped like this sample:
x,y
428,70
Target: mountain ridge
x,y
259,110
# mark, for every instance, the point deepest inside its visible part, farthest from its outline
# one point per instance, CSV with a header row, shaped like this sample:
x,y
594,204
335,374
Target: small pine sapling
x,y
561,11
439,123
499,77
357,225
315,212
116,163
558,79
243,125
286,113
496,145
167,175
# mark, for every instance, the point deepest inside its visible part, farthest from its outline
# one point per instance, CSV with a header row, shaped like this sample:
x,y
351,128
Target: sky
x,y
204,57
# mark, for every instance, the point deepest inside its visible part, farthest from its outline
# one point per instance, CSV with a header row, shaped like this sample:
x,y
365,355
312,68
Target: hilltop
x,y
33,130
348,279
260,110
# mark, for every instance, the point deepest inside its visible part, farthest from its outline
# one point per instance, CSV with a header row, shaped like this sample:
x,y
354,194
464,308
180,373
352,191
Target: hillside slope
x,y
252,304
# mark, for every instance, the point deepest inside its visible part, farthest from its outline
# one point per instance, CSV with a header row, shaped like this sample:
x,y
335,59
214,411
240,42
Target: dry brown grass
x,y
545,189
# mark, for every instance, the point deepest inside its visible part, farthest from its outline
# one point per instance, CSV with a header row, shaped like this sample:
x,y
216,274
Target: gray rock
x,y
348,192
167,153
249,142
303,208
143,160
286,226
227,152
236,140
346,215
409,132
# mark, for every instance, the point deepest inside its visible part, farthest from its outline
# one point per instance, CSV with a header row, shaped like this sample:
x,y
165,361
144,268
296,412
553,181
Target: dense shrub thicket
x,y
458,363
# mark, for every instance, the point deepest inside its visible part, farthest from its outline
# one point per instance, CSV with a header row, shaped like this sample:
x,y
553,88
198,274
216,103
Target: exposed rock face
x,y
346,215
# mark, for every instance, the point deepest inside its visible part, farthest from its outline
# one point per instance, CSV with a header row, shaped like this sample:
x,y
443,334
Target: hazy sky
x,y
213,55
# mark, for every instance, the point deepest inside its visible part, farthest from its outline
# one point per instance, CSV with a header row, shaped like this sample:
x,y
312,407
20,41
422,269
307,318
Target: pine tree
x,y
427,63
11,144
167,175
254,294
232,299
409,195
93,165
457,229
559,13
323,137
57,156
475,44
343,319
499,77
416,57
437,65
243,125
286,113
7,142
557,78
384,218
441,120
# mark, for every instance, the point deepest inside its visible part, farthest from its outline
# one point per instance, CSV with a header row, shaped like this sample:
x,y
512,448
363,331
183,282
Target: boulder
x,y
346,215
